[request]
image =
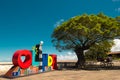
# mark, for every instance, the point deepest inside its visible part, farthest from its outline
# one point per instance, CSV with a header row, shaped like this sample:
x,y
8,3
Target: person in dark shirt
x,y
109,58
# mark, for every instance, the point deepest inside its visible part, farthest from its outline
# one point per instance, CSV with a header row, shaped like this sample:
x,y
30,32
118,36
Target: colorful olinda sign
x,y
35,62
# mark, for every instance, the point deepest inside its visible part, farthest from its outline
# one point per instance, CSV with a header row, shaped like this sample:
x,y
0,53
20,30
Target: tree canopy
x,y
81,32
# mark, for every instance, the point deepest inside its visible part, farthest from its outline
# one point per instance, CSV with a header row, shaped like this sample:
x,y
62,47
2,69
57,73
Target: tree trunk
x,y
81,58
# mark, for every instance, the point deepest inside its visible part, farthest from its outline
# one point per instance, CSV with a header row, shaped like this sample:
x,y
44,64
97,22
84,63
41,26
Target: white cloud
x,y
115,0
116,47
117,9
5,59
68,56
58,22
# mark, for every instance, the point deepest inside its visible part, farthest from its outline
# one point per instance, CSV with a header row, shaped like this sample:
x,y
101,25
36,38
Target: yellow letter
x,y
50,61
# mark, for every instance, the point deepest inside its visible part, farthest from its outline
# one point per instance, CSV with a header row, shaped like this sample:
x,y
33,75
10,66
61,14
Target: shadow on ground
x,y
91,68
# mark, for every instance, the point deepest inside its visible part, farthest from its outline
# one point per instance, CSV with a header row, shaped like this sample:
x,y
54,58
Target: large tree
x,y
81,32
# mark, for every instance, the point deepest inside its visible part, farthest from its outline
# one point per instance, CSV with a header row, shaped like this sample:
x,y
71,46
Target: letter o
x,y
17,58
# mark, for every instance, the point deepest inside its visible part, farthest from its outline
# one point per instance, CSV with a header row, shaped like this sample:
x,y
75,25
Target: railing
x,y
95,64
65,64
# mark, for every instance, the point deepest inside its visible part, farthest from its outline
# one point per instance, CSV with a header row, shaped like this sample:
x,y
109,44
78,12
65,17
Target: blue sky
x,y
23,23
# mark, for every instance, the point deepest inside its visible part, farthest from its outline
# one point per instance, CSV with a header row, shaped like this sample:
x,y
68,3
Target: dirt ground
x,y
74,74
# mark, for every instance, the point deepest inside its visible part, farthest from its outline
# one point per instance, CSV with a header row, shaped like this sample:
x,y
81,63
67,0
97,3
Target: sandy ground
x,y
74,75
4,68
101,74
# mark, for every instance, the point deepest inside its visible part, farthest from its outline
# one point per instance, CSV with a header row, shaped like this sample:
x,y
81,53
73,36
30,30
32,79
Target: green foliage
x,y
99,50
90,55
84,31
118,18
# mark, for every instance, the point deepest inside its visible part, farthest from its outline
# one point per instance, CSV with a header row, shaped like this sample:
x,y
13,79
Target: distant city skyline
x,y
24,23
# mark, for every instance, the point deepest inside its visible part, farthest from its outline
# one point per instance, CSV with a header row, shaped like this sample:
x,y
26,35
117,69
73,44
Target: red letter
x,y
54,57
17,58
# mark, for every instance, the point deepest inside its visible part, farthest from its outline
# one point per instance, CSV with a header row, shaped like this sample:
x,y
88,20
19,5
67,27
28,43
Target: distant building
x,y
116,53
